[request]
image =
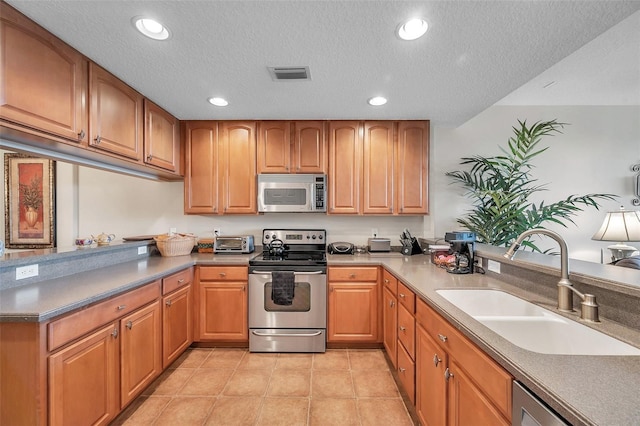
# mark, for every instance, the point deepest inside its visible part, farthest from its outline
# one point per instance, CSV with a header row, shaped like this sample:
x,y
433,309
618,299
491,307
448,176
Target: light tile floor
x,y
235,387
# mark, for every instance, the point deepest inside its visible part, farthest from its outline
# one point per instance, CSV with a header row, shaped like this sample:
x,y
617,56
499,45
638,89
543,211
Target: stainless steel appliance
x,y
529,411
292,193
238,244
379,244
288,292
463,247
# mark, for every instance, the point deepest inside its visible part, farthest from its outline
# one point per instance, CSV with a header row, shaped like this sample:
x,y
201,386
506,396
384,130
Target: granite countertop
x,y
586,390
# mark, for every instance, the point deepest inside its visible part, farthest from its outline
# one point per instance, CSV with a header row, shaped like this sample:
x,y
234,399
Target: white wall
x,y
594,154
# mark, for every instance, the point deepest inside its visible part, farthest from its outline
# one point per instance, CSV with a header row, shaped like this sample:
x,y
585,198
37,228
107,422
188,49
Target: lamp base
x,y
621,251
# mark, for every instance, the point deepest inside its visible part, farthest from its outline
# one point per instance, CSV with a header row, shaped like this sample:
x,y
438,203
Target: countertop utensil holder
x,y
411,249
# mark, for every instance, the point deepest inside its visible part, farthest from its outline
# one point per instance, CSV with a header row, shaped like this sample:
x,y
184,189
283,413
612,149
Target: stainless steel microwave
x,y
292,193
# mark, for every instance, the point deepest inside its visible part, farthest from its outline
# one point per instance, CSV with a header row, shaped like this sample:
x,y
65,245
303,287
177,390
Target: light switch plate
x,y
493,266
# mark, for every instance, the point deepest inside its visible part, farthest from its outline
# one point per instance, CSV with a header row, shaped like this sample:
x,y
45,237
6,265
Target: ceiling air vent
x,y
289,73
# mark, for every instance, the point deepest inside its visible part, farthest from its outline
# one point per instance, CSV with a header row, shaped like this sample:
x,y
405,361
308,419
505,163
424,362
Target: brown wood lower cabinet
x,y
353,305
222,304
83,380
177,324
456,382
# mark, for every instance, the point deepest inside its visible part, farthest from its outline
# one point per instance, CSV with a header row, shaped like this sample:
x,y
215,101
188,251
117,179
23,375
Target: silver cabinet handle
x,y
442,337
114,333
402,295
402,328
436,360
402,370
447,374
180,281
121,307
223,274
391,303
352,275
98,140
129,325
168,303
256,333
81,135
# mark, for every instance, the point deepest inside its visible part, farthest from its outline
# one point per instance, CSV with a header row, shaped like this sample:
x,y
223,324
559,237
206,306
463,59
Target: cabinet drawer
x,y
406,297
77,324
177,280
485,373
365,273
407,330
407,373
390,282
224,273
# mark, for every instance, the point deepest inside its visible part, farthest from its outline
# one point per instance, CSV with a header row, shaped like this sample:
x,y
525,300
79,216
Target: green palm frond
x,y
501,187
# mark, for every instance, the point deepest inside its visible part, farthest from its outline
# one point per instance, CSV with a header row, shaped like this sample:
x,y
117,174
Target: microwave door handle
x,y
295,273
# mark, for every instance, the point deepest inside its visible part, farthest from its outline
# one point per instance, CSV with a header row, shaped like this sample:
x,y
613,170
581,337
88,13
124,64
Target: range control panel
x,y
294,236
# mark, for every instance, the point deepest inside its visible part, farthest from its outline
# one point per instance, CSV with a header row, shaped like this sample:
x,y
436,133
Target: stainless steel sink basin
x,y
532,327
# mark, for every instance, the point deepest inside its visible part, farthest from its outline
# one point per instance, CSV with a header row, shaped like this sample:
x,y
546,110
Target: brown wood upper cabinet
x,y
116,115
378,167
237,167
201,167
43,81
291,147
161,138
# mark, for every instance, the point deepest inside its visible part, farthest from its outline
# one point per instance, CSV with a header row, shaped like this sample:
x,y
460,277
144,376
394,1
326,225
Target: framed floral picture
x,y
29,187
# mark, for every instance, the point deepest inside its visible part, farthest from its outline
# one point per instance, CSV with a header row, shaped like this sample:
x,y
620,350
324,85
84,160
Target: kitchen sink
x,y
532,327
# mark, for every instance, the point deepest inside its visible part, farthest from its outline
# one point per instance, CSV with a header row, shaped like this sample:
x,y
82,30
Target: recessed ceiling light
x,y
377,101
412,29
221,102
151,28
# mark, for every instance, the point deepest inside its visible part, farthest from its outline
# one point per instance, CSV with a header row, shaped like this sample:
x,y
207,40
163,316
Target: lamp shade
x,y
619,226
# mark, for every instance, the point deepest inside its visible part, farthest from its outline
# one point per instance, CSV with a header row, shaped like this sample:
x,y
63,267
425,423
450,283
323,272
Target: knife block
x,y
410,250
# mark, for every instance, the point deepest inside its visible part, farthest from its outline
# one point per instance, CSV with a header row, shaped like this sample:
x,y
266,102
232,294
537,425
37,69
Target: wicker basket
x,y
177,245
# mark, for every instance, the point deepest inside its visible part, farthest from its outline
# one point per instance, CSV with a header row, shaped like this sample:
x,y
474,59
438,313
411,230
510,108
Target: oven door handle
x,y
317,333
295,273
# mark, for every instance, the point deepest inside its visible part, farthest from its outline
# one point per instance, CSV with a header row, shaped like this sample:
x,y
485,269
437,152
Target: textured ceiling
x,y
474,54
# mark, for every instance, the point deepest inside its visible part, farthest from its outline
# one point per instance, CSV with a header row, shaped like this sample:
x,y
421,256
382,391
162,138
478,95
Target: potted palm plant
x,y
501,188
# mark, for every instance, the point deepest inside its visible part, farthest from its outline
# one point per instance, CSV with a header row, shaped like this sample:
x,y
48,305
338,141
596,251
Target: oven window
x,y
285,197
301,301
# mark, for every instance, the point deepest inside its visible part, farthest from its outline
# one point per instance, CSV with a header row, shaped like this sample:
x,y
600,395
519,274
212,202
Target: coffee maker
x,y
462,246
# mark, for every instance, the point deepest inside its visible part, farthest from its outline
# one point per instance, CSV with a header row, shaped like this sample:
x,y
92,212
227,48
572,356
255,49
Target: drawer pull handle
x,y
98,140
442,337
168,303
352,275
129,325
402,328
223,274
121,307
386,281
402,295
180,281
402,370
436,360
447,374
81,135
391,303
114,333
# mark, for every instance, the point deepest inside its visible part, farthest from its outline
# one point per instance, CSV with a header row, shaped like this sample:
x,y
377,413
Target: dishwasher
x,y
528,410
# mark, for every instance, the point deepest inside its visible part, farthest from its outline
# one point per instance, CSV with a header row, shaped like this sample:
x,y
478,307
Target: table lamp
x,y
620,226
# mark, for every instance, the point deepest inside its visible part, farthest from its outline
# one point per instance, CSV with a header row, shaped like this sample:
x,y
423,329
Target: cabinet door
x,y
406,330
353,312
43,81
411,170
309,147
238,168
116,115
406,373
161,138
223,312
200,176
274,147
468,404
345,167
390,328
378,167
431,395
83,380
177,330
140,351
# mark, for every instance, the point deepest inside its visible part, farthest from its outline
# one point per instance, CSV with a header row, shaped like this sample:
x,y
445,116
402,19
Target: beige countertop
x,y
593,390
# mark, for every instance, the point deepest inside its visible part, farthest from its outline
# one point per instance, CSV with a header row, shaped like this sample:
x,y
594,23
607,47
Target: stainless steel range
x,y
288,292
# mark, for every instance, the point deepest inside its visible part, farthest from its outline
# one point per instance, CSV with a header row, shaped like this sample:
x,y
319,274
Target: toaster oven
x,y
234,244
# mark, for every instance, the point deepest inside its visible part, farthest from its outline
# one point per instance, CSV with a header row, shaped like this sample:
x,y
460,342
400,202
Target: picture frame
x,y
29,187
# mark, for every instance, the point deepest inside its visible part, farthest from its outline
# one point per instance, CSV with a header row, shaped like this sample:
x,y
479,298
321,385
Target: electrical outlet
x,y
493,266
172,230
28,271
374,232
142,250
478,261
217,232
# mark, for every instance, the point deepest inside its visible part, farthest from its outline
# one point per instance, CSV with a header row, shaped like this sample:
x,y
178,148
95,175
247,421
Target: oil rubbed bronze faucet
x,y
589,307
